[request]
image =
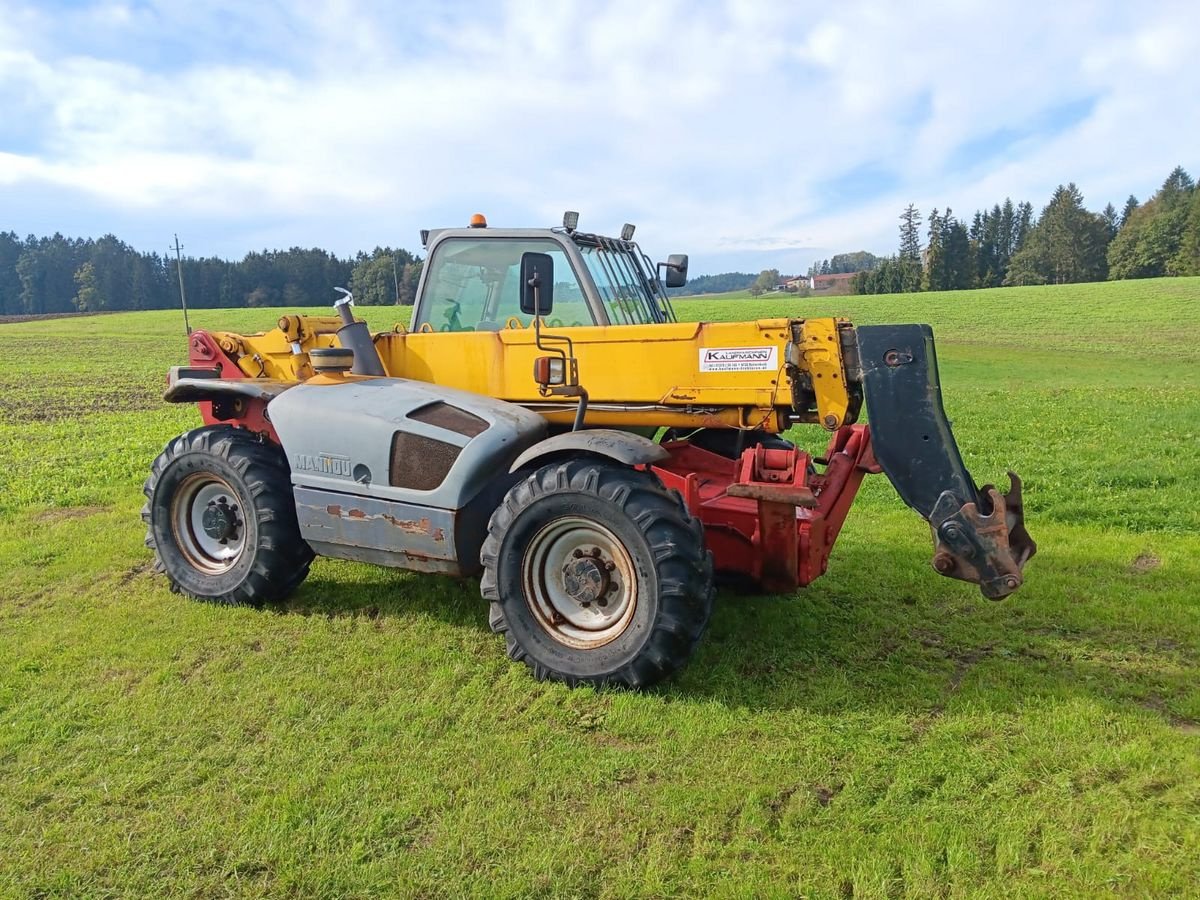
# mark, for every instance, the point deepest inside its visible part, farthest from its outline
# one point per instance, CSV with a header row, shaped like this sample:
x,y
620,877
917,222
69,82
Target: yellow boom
x,y
678,374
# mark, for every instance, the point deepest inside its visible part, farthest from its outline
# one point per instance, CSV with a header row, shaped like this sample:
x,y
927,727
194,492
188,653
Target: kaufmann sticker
x,y
739,359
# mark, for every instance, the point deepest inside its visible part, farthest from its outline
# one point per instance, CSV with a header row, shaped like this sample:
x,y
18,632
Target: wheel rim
x,y
208,523
579,582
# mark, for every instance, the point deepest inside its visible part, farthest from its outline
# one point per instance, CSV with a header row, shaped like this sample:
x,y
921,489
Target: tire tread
x,y
282,557
676,542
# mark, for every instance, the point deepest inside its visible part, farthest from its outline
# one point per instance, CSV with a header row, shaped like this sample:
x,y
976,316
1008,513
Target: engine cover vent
x,y
420,463
443,415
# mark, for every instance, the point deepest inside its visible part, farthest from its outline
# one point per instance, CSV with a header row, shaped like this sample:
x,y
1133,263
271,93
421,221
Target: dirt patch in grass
x,y
964,662
12,320
66,514
1182,723
73,399
135,572
1145,562
613,741
825,794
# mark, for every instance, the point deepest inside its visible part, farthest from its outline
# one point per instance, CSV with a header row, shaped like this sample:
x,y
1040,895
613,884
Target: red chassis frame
x,y
769,515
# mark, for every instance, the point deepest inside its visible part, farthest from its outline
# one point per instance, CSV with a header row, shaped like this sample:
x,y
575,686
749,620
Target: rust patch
x,y
333,510
356,514
419,526
988,549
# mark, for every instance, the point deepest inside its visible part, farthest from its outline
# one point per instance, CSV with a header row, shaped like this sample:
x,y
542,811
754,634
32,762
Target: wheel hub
x,y
220,521
586,577
207,523
580,582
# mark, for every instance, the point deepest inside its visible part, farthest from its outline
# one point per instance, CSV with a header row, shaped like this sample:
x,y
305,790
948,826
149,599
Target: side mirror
x,y
537,284
677,264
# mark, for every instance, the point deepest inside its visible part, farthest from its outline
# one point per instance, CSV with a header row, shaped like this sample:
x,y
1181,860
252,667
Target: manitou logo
x,y
738,359
324,464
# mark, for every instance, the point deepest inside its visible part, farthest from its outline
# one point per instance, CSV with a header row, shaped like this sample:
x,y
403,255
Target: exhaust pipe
x,y
355,336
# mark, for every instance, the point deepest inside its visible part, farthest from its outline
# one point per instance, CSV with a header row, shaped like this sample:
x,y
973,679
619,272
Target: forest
x,y
54,275
1067,243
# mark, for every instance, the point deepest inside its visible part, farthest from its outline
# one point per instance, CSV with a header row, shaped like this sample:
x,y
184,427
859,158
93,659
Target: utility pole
x,y
182,294
396,279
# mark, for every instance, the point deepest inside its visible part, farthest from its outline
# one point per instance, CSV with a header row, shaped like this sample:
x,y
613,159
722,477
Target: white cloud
x,y
714,127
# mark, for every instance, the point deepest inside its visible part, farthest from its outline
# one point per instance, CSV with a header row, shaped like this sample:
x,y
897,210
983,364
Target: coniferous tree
x,y
1187,259
1130,205
910,233
959,264
935,263
1006,231
1111,220
1022,224
10,282
908,263
1067,245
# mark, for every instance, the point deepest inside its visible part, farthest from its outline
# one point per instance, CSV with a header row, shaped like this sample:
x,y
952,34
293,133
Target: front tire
x,y
597,574
221,518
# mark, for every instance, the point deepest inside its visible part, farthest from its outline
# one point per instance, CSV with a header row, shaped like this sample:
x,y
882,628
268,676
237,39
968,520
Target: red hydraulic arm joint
x,y
205,353
769,515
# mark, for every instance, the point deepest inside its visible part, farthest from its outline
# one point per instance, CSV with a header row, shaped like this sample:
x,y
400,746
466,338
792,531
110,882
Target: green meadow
x,y
883,733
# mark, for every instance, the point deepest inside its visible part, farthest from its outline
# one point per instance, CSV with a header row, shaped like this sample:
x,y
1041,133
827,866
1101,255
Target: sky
x,y
747,134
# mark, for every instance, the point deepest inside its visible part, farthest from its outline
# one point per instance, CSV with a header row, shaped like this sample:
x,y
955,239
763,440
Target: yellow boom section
x,y
731,374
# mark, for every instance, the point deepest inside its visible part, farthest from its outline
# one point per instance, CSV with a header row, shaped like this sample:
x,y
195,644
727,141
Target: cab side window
x,y
473,285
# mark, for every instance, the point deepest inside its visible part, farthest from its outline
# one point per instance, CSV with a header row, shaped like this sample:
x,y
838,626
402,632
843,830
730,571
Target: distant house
x,y
831,284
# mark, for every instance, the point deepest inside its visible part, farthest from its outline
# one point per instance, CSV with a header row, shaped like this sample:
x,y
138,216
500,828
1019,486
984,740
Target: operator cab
x,y
471,281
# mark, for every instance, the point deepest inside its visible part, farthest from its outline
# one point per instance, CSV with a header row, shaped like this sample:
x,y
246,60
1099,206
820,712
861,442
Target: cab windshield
x,y
627,290
473,284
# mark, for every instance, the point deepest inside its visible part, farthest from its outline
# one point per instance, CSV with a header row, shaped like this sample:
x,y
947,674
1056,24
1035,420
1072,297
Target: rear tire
x,y
221,518
597,574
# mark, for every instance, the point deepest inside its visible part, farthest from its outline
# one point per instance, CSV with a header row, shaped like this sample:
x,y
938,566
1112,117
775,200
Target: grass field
x,y
885,733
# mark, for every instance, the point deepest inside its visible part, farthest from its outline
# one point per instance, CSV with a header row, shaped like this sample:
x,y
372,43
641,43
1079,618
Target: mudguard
x,y
198,390
622,446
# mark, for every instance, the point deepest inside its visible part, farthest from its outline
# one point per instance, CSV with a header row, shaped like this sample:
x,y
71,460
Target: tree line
x,y
714,284
50,275
1005,245
843,263
1008,245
